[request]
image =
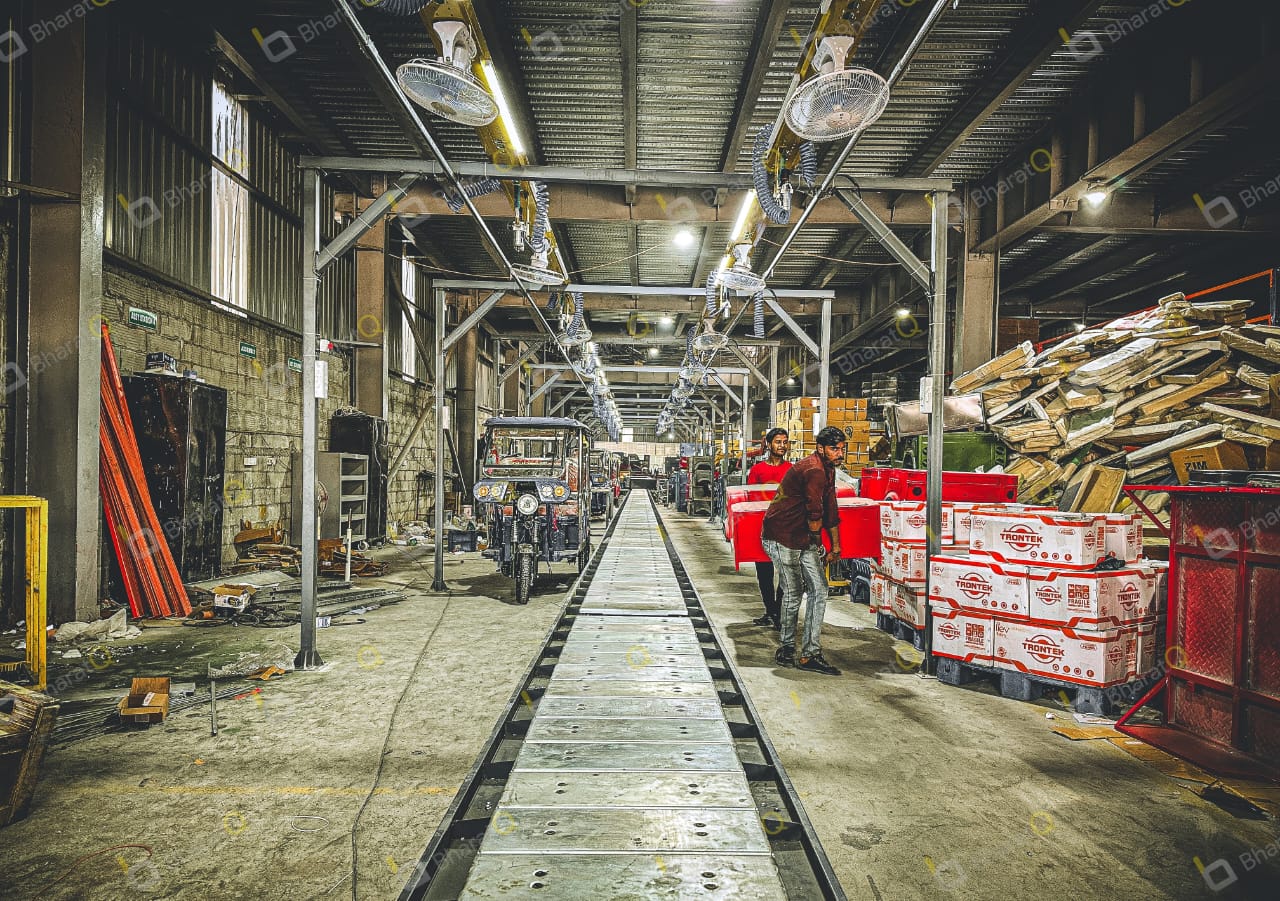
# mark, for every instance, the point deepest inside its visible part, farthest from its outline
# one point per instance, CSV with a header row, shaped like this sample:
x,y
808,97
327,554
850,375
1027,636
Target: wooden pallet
x,y
23,736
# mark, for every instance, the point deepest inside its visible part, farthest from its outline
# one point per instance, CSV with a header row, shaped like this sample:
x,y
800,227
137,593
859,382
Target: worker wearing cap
x,y
770,471
805,505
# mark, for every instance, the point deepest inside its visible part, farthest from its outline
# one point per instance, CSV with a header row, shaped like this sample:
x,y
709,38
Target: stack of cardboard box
x,y
1024,593
849,414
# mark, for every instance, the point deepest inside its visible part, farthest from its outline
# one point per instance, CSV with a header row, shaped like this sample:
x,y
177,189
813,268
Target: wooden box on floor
x,y
24,733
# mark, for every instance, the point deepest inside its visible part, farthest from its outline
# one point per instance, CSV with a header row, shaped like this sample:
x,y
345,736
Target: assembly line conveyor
x,y
629,763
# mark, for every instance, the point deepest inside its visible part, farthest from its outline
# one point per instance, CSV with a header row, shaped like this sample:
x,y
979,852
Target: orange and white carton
x,y
906,561
908,603
1098,658
908,521
879,601
1122,536
1146,646
962,635
979,584
1062,540
1091,600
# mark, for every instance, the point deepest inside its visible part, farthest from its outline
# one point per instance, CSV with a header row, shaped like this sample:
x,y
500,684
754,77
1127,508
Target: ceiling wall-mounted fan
x,y
445,86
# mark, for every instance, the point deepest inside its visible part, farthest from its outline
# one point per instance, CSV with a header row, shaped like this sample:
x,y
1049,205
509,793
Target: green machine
x,y
966,446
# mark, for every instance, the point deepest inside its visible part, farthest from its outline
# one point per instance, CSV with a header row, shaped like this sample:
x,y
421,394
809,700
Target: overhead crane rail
x,y
630,761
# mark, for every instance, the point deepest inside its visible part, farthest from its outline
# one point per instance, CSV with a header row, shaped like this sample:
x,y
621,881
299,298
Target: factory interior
x,y
791,450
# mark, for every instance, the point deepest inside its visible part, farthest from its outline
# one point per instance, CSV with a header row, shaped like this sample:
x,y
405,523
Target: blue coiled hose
x,y
808,172
473,189
713,302
758,314
398,7
575,325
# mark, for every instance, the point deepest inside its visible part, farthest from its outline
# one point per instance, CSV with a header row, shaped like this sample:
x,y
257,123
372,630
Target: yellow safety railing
x,y
37,571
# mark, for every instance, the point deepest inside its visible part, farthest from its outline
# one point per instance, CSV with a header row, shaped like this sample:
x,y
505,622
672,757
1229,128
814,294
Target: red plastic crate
x,y
912,485
874,482
748,520
859,530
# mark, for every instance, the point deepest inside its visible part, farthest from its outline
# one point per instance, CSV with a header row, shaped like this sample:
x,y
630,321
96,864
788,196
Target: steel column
x,y
824,367
437,582
746,425
938,391
308,657
773,388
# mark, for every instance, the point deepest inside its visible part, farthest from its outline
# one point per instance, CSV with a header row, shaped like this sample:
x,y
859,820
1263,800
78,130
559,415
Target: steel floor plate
x,y
612,789
658,830
629,671
633,688
629,707
595,729
662,877
639,656
599,757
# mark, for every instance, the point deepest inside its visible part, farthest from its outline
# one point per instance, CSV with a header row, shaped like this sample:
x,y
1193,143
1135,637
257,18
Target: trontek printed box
x,y
963,635
879,599
1098,658
906,561
908,603
909,521
1064,540
979,584
1090,600
1122,536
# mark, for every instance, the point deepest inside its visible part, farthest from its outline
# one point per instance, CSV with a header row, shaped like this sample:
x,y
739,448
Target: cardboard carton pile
x,y
849,414
1144,399
1025,594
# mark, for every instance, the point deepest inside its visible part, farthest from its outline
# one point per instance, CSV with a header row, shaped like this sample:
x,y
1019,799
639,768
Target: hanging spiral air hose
x,y
758,315
776,211
473,189
713,301
808,170
541,218
553,304
575,325
398,7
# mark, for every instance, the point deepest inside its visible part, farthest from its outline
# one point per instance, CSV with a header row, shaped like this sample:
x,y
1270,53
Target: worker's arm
x,y
831,519
815,504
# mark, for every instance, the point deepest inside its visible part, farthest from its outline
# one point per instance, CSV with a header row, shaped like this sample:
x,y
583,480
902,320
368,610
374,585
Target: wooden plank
x,y
1184,439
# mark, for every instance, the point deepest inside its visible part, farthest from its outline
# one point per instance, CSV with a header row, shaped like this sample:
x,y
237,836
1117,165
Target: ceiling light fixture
x,y
666,320
745,210
1096,195
683,238
653,351
903,312
491,76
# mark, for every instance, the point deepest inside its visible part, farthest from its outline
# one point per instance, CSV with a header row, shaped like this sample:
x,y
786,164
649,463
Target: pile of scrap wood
x,y
1142,400
263,548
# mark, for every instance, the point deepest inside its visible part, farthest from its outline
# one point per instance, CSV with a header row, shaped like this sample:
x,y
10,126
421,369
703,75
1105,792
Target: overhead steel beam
x,y
796,330
472,320
769,23
888,240
1061,192
367,219
1133,254
664,370
544,387
629,39
847,248
737,352
635,290
727,390
1020,279
1146,214
528,354
623,339
1037,38
657,178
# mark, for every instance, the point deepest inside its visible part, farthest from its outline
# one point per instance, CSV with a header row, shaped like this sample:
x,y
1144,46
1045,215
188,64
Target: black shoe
x,y
786,656
817,664
765,620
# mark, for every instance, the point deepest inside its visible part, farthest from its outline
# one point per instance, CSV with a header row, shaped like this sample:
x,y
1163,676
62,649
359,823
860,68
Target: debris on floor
x,y
114,627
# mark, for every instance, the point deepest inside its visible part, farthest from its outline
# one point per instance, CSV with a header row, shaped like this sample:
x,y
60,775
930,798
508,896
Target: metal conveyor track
x,y
630,764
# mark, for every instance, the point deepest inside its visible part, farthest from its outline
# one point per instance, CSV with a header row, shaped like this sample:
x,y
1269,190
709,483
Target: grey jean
x,y
800,572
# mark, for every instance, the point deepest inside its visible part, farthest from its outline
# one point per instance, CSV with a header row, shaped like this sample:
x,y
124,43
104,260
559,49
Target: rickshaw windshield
x,y
536,451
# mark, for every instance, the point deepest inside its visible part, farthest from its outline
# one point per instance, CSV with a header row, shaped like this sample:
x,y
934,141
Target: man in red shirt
x,y
770,471
792,536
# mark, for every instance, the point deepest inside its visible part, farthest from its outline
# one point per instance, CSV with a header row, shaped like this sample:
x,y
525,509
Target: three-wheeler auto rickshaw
x,y
604,484
533,474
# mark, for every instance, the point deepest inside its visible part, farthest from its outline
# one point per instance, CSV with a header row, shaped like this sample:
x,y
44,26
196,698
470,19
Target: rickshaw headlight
x,y
559,491
482,491
545,490
527,504
499,490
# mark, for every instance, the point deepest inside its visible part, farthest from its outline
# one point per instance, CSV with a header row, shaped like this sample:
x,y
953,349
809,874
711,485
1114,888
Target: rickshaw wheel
x,y
524,578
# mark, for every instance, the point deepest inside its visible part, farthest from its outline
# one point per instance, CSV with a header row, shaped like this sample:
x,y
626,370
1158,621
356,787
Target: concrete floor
x,y
917,790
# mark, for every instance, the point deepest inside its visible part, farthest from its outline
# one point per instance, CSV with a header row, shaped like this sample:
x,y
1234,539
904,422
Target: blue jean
x,y
800,572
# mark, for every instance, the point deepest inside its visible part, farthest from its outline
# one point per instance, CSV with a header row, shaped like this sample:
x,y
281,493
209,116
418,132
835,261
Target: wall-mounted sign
x,y
144,319
295,365
248,350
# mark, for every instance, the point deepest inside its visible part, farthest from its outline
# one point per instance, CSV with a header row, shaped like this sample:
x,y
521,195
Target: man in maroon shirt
x,y
792,535
770,471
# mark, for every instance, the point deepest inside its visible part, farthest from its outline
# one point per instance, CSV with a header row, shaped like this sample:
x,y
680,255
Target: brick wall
x,y
264,398
406,402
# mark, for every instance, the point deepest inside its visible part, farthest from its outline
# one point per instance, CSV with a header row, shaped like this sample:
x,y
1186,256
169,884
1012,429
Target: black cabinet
x,y
182,434
354,432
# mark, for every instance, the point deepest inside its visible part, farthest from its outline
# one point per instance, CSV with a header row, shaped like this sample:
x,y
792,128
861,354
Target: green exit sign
x,y
295,365
248,350
144,319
